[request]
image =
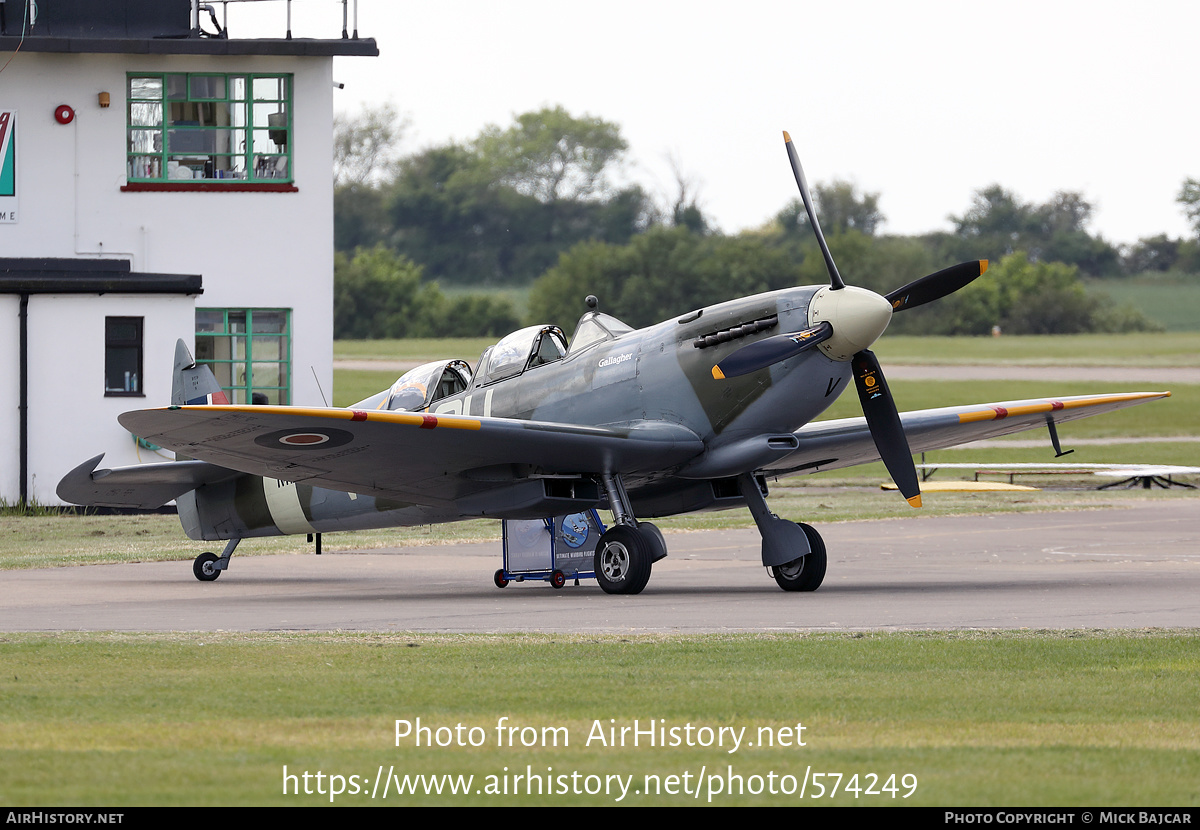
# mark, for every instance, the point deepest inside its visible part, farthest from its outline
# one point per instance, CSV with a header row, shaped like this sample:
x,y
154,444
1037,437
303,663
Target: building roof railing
x,y
182,27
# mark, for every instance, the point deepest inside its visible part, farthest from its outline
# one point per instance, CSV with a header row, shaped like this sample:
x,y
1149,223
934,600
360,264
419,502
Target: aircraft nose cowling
x,y
858,317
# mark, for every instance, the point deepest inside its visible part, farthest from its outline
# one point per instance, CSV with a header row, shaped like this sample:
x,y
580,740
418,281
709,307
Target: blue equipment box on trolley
x,y
553,550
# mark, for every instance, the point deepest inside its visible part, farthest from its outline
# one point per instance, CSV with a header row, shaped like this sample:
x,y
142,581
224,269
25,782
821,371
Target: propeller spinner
x,y
844,321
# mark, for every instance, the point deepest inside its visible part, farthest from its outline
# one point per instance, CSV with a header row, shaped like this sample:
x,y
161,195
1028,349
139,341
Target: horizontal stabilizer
x,y
144,486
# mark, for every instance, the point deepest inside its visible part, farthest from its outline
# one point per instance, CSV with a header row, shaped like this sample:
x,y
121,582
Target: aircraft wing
x,y
413,457
145,486
830,445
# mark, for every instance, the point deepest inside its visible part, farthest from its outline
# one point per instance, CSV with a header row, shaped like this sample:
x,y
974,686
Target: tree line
x,y
534,204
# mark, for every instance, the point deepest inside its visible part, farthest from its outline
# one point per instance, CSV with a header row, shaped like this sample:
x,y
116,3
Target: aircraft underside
x,y
251,506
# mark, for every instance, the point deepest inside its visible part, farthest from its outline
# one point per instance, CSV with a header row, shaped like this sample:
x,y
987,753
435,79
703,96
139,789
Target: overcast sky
x,y
923,102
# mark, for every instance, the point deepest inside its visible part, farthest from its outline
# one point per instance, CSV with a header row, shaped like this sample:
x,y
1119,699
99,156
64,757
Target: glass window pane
x,y
122,355
206,87
266,375
177,87
145,89
270,167
145,115
270,89
270,322
210,320
145,141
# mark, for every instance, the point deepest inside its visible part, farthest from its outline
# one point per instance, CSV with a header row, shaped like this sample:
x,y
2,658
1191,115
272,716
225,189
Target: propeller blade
x,y
935,286
764,353
835,279
884,423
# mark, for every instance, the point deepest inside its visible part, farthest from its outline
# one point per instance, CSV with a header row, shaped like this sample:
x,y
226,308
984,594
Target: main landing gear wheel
x,y
500,579
203,567
622,561
807,572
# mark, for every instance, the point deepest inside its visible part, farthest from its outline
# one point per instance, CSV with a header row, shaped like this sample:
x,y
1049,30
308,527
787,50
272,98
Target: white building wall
x,y
253,249
70,418
10,384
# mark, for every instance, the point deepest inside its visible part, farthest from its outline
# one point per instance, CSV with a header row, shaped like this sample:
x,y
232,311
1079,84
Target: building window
x,y
123,356
249,350
185,127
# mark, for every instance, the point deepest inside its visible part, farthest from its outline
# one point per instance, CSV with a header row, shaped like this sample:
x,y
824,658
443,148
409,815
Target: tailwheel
x,y
622,561
203,567
807,572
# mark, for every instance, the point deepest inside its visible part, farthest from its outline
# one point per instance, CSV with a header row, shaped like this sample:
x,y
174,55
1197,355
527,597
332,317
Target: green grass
x,y
1018,719
58,540
1156,349
1175,306
353,385
413,349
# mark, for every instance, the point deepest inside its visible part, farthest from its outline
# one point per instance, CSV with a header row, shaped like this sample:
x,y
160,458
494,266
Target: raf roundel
x,y
304,439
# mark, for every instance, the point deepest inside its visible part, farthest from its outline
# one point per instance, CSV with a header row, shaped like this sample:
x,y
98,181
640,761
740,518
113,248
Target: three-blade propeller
x,y
857,320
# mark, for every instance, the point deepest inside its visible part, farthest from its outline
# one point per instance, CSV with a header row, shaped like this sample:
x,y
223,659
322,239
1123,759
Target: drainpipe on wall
x,y
23,405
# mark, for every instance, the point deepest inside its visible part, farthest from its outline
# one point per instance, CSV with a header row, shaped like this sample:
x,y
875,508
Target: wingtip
x,y
915,501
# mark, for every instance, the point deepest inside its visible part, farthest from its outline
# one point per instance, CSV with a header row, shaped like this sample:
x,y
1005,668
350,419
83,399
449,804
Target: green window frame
x,y
209,127
249,350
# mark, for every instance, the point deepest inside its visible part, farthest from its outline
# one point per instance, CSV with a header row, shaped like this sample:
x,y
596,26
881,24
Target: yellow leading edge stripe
x,y
995,413
408,418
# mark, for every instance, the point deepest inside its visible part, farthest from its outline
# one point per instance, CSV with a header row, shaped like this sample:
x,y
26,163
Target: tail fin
x,y
192,384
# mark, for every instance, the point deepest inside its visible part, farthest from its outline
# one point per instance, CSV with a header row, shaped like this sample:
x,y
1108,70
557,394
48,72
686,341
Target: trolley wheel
x,y
499,578
558,579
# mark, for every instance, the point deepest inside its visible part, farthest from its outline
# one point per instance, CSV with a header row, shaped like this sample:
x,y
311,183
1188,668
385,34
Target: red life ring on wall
x,y
64,114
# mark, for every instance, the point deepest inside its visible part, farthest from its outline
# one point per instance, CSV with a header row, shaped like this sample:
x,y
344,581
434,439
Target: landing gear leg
x,y
625,552
794,553
208,566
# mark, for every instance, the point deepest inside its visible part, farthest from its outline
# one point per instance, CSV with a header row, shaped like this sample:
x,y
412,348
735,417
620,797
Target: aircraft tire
x,y
808,572
500,579
203,567
622,561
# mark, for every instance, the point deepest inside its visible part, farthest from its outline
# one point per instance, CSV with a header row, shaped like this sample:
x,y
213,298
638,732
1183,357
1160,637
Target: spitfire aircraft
x,y
693,413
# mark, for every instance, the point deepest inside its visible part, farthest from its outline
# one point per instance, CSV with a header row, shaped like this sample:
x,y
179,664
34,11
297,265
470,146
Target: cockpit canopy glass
x,y
418,388
521,350
594,327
